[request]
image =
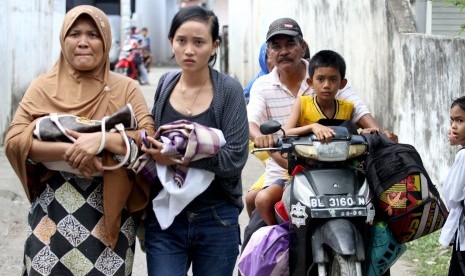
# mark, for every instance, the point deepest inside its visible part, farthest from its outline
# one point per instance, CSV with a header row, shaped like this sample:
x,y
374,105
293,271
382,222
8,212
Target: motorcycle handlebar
x,y
277,147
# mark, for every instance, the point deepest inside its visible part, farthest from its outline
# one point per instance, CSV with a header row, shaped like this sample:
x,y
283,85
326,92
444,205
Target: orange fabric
x,y
93,95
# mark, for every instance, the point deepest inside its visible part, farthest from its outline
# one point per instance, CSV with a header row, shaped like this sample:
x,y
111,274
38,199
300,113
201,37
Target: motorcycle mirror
x,y
270,127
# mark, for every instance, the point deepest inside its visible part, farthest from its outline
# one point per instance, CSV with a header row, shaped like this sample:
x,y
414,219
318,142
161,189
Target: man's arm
x,y
265,141
368,123
362,116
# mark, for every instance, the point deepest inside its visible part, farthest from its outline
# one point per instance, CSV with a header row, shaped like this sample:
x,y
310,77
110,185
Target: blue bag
x,y
267,252
383,251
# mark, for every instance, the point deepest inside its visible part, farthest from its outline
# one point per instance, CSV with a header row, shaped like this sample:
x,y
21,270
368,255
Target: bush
x,y
427,256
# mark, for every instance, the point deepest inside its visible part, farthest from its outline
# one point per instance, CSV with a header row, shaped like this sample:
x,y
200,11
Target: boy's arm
x,y
291,124
323,133
300,130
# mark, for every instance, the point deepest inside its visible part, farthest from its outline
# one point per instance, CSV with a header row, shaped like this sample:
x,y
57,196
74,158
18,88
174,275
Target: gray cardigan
x,y
230,112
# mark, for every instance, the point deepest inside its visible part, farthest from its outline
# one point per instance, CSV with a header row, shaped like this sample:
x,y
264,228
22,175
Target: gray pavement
x,y
14,206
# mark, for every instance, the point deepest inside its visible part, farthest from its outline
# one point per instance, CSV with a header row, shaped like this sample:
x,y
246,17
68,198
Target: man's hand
x,y
264,141
391,135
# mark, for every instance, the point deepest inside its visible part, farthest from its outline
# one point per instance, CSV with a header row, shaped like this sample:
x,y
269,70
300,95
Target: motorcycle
x,y
128,60
327,200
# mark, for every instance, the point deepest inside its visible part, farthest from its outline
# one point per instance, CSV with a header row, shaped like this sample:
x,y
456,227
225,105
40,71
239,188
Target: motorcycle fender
x,y
340,235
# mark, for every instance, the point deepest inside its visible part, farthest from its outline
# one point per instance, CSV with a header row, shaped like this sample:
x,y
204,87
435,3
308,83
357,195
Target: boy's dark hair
x,y
460,102
327,58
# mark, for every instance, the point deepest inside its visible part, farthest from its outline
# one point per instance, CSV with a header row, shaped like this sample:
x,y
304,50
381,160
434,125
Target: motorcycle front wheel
x,y
343,265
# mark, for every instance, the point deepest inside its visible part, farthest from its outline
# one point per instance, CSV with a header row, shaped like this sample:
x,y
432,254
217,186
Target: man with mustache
x,y
272,97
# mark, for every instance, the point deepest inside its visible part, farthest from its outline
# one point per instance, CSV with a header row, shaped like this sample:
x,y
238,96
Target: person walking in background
x,y
453,190
135,36
145,49
79,223
206,232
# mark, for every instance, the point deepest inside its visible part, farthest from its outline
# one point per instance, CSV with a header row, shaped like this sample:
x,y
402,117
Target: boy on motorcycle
x,y
326,76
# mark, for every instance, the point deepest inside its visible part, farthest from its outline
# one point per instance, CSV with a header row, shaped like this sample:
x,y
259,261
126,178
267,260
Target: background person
x,y
206,233
135,36
453,190
145,48
78,223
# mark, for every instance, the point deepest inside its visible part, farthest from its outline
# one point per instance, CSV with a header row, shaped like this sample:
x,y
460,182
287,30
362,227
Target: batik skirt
x,y
66,234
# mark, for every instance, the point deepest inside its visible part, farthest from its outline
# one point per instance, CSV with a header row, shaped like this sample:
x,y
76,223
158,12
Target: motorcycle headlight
x,y
357,150
334,151
306,151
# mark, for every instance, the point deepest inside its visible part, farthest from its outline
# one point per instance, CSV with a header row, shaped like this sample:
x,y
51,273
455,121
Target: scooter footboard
x,y
339,234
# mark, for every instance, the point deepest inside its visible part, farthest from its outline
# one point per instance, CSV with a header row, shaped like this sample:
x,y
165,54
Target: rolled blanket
x,y
190,141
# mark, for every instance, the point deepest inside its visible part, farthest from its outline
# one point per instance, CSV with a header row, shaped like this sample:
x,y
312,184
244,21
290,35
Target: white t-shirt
x,y
453,190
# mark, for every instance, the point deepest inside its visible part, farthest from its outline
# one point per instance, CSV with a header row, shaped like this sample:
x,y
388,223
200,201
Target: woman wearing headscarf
x,y
79,223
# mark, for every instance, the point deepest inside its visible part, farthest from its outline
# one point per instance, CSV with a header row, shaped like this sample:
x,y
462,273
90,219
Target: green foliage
x,y
427,256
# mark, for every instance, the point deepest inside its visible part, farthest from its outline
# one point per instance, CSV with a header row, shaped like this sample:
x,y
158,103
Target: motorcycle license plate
x,y
337,206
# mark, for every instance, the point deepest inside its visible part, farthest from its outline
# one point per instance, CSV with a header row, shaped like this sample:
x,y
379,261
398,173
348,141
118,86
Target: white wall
x,y
156,15
408,80
29,39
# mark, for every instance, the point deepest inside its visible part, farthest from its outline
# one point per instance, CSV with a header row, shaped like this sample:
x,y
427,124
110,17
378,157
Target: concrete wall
x,y
408,80
29,39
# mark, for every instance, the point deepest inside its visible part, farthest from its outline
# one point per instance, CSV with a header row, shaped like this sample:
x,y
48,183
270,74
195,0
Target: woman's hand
x,y
82,152
92,167
160,158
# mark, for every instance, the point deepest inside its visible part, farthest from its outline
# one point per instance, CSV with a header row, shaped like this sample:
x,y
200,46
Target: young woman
x,y
453,191
79,223
206,232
